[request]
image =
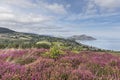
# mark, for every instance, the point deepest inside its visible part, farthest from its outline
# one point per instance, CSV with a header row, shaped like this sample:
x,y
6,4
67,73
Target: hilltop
x,y
81,37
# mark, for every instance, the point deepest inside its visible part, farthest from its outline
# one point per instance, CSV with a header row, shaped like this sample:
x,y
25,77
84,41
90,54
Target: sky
x,y
99,18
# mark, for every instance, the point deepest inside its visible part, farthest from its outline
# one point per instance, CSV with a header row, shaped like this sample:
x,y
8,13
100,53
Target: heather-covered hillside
x,y
56,64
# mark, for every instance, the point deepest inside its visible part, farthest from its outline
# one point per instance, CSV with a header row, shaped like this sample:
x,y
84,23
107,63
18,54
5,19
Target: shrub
x,y
54,52
43,44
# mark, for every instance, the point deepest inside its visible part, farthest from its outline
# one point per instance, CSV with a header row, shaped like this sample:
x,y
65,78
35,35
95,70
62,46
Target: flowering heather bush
x,y
30,64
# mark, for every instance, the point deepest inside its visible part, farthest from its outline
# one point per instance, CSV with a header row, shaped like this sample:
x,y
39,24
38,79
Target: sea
x,y
108,44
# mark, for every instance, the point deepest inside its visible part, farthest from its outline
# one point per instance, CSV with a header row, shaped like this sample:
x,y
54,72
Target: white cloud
x,y
56,8
110,5
3,9
18,3
32,18
40,5
6,16
7,12
24,18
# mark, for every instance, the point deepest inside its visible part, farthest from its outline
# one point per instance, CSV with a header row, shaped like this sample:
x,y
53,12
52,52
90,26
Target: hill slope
x,y
5,30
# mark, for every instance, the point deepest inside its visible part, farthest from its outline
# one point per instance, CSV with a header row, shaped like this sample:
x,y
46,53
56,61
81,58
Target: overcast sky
x,y
62,17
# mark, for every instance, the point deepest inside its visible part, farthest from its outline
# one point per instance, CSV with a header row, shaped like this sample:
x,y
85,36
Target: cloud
x,y
40,5
90,9
9,15
25,11
3,9
108,3
96,9
32,18
18,3
56,8
87,17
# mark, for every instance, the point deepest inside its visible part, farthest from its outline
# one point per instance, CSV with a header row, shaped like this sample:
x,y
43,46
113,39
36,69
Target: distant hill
x,y
5,30
81,37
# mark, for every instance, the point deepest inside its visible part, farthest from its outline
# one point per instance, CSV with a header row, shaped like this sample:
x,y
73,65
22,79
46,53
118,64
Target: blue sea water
x,y
104,44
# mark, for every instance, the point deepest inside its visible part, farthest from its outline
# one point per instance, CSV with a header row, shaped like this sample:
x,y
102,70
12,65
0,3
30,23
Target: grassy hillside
x,y
15,39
